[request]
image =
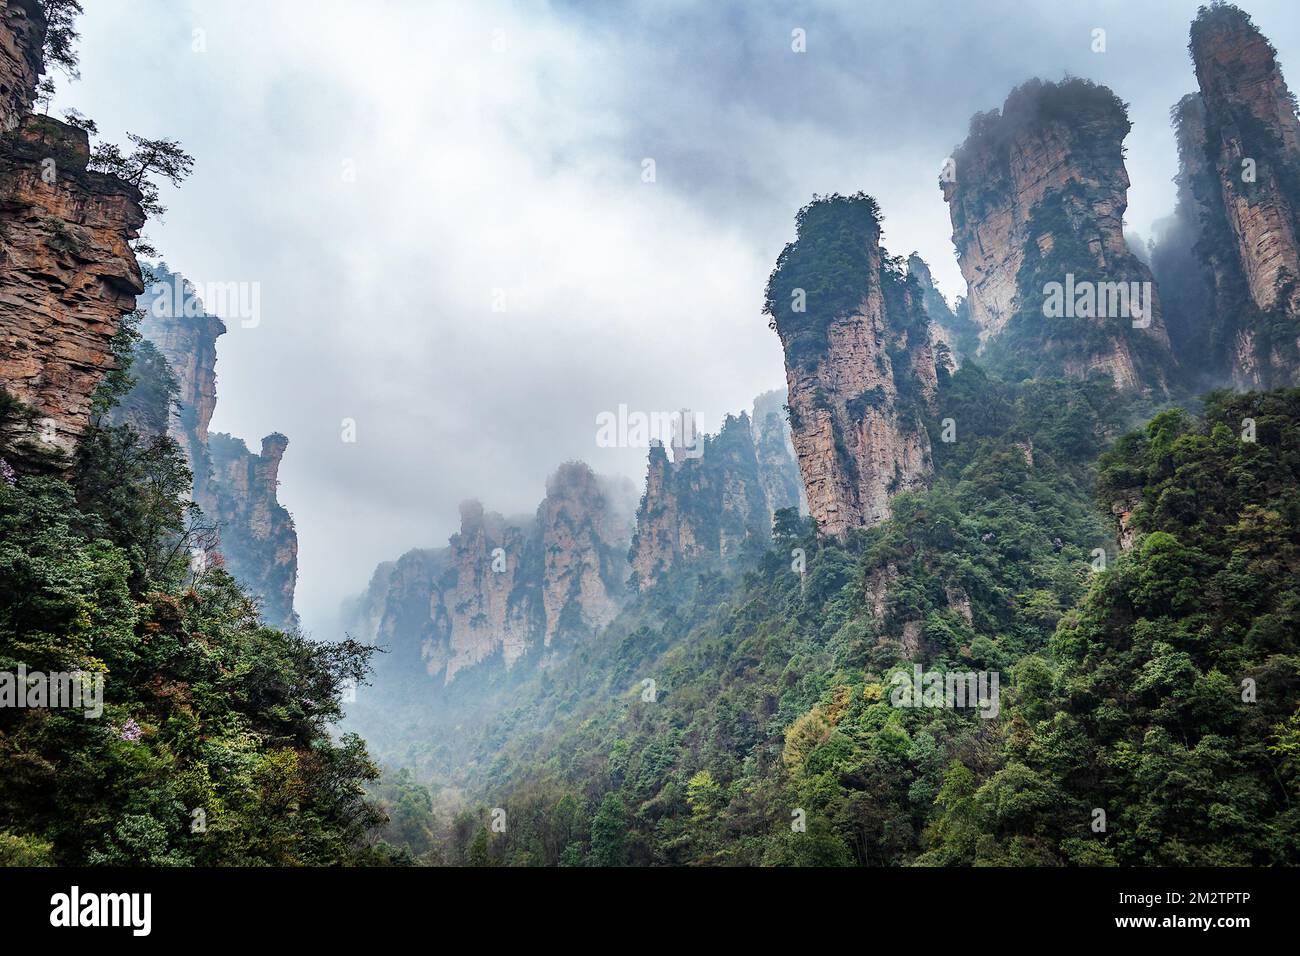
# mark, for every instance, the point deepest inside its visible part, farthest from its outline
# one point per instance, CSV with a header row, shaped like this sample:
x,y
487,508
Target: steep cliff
x,y
860,367
703,508
504,588
177,325
953,327
583,527
67,273
67,277
778,469
1037,207
236,488
256,538
22,34
1239,179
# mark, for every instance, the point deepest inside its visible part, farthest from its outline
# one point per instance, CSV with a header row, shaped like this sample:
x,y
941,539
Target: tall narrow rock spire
x,y
1037,195
860,366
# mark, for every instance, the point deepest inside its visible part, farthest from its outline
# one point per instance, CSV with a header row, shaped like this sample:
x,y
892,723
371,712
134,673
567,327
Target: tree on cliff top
x,y
149,161
61,35
161,158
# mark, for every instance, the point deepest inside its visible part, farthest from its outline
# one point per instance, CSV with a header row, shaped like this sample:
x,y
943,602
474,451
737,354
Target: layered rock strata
x,y
860,366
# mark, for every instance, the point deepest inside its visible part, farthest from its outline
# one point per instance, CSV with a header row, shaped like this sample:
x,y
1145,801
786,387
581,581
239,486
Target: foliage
x,y
772,738
214,743
148,162
61,35
830,261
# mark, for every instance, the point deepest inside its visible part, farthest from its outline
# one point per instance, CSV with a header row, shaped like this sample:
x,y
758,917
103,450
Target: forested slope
x,y
214,743
769,734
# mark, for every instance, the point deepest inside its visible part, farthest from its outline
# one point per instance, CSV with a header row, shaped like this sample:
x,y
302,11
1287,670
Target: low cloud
x,y
391,172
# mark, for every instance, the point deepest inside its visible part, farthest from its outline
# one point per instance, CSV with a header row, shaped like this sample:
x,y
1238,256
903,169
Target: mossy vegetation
x,y
824,274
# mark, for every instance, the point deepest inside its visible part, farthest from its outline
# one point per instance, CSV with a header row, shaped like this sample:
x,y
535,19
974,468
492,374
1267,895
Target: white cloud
x,y
518,168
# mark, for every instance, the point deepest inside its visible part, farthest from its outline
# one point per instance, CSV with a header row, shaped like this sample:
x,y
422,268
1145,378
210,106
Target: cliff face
x,y
1249,110
1239,147
67,277
256,540
236,488
478,603
860,367
584,569
505,587
22,34
778,469
187,339
67,272
954,328
703,508
1038,197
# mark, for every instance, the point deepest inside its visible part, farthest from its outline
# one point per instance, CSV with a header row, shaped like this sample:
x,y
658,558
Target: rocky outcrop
x,y
236,488
1239,201
22,35
504,589
583,534
256,540
67,272
703,508
661,539
1121,510
510,589
778,469
479,604
952,327
177,325
1037,205
67,277
860,368
1250,115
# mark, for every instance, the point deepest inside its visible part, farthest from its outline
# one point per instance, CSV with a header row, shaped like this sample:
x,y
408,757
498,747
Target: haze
x,y
388,172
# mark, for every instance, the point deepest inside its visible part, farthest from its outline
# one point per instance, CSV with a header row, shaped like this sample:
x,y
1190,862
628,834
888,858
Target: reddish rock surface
x,y
67,276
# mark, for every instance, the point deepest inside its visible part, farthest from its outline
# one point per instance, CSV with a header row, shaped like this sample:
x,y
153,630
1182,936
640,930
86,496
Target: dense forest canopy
x,y
771,736
212,743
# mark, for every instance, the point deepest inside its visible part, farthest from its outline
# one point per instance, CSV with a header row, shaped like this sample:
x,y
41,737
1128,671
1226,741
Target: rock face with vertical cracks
x,y
22,35
1239,200
1247,105
860,367
187,338
504,588
1037,196
256,538
702,508
67,272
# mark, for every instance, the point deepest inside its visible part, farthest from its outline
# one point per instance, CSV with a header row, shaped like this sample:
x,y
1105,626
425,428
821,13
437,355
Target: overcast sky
x,y
381,168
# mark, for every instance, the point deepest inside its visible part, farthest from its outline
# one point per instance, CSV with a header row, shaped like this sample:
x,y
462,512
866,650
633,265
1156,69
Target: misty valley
x,y
870,515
